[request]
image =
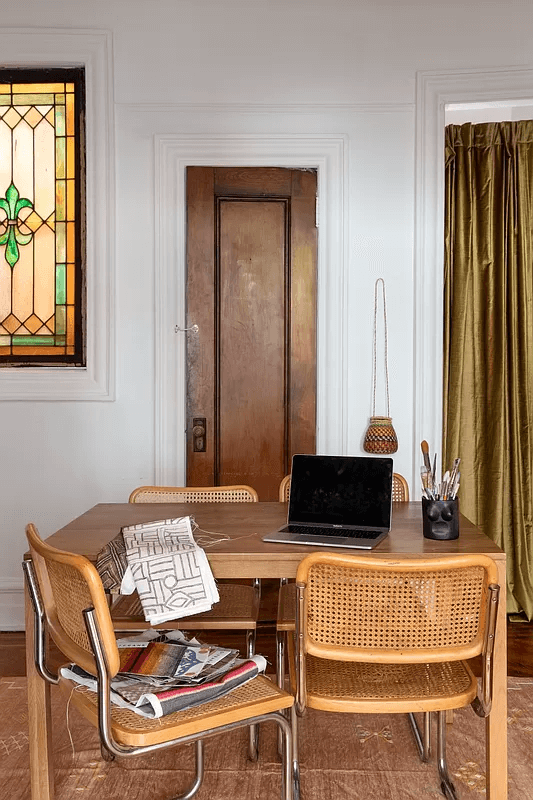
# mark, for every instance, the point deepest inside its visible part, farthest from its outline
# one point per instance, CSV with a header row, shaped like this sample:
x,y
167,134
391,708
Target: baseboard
x,y
11,605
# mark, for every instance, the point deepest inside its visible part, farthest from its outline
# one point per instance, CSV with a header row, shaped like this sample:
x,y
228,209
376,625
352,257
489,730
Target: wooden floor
x,y
519,640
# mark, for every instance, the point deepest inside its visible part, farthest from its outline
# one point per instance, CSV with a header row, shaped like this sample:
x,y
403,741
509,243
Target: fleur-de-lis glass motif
x,y
12,204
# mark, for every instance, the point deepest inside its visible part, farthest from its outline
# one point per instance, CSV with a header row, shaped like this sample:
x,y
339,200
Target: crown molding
x,y
267,108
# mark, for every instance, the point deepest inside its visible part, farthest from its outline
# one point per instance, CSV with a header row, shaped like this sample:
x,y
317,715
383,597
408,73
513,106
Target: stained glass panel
x,y
41,217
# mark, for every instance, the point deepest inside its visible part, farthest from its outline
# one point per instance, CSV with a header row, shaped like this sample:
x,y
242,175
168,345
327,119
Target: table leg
x,y
496,724
39,720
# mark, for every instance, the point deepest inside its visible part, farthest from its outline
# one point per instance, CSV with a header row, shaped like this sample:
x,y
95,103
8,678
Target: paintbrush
x,y
425,452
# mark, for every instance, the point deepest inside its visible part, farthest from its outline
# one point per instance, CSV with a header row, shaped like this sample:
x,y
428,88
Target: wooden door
x,y
251,290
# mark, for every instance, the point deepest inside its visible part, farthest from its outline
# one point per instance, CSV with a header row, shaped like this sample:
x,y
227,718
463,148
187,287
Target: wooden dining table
x,y
232,538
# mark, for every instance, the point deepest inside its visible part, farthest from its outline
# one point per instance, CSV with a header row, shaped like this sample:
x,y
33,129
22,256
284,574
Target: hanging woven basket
x,y
380,437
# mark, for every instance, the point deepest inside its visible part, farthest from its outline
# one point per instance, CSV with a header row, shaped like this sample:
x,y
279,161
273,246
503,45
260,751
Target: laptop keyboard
x,y
311,529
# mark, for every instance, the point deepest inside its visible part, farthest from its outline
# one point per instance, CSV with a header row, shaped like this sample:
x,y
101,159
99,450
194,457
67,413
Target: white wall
x,y
294,67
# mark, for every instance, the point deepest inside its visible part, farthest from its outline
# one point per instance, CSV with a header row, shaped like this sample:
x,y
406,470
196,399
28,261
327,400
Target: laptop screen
x,y
353,491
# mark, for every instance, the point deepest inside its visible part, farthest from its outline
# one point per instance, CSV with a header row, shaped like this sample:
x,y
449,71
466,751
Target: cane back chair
x,y
400,489
392,636
286,619
238,606
69,601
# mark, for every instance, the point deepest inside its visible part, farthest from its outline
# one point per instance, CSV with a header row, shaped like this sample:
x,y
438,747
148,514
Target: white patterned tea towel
x,y
171,572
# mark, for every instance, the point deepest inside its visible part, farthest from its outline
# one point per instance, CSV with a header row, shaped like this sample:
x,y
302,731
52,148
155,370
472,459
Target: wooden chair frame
x,y
89,641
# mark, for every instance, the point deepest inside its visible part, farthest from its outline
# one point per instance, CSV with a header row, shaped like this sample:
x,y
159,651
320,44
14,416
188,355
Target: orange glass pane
x,y
70,115
71,157
26,88
70,324
71,205
70,284
36,351
71,242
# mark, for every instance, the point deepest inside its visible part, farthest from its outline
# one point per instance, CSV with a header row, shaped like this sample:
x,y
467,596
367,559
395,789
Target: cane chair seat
x,y
260,696
350,686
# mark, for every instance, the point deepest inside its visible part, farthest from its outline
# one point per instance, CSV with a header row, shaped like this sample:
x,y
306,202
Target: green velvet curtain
x,y
488,336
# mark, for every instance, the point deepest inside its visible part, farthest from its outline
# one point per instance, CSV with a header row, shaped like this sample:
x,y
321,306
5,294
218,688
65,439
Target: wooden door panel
x,y
251,289
252,342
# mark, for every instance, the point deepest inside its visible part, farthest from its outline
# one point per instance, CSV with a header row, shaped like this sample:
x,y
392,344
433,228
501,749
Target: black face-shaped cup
x,y
440,519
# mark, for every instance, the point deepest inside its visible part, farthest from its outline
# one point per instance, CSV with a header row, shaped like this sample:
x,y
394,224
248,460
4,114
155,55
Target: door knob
x,y
198,434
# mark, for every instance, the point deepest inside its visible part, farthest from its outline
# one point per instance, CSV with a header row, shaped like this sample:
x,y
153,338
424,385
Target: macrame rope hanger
x,y
375,347
380,437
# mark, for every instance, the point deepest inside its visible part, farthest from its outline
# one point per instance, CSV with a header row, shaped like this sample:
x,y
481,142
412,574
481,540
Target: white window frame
x,y
48,47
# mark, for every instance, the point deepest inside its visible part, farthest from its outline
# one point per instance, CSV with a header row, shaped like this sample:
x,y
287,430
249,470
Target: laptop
x,y
338,501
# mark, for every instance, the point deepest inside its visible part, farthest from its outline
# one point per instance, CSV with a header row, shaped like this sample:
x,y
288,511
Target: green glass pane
x,y
34,99
60,202
5,99
60,120
60,99
60,158
61,284
61,340
32,341
60,242
61,319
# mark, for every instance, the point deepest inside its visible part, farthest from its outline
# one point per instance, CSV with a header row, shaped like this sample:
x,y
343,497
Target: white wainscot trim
x,y
11,605
173,153
92,49
434,90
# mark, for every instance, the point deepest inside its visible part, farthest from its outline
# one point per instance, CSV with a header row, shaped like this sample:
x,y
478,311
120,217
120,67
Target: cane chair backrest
x,y
361,608
194,494
69,584
285,489
400,489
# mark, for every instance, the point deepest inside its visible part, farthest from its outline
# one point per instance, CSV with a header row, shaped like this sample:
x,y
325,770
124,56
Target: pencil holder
x,y
440,519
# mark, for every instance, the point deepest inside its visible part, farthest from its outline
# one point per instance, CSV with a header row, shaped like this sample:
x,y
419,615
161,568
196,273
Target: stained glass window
x,y
41,217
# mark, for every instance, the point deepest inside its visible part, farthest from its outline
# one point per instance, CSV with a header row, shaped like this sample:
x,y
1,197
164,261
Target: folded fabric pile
x,y
164,672
163,562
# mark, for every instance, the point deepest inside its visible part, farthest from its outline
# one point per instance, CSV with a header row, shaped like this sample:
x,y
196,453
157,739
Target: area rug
x,y
342,756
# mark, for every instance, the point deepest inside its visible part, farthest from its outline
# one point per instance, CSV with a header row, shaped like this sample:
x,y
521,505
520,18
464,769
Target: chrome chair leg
x,y
446,785
199,776
422,739
295,758
253,742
